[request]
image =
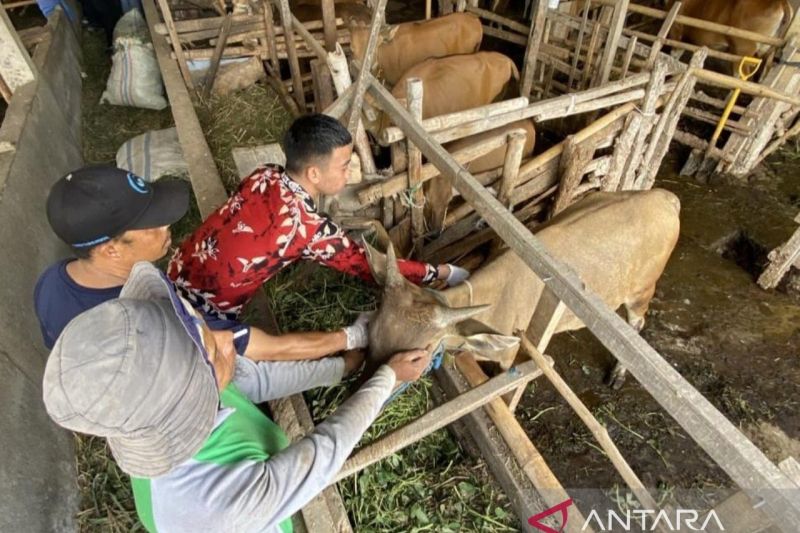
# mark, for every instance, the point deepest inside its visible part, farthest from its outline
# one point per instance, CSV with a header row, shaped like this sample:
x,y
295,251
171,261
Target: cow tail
x,y
515,70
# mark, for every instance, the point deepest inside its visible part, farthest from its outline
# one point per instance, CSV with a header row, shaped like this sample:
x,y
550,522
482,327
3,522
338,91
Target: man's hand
x,y
408,366
356,333
452,274
352,361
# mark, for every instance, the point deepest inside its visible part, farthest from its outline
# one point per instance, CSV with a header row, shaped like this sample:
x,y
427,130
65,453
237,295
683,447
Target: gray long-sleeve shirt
x,y
233,483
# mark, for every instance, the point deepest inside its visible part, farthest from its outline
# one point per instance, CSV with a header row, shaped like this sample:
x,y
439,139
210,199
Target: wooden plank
x,y
176,44
323,85
523,496
16,65
610,49
329,24
291,51
203,174
781,260
437,418
571,168
222,39
414,95
724,443
532,51
269,28
508,180
378,16
527,456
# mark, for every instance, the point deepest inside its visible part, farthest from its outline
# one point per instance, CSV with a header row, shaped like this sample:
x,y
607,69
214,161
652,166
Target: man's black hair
x,y
311,138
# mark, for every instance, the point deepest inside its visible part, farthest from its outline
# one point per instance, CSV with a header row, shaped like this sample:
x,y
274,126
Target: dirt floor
x,y
737,344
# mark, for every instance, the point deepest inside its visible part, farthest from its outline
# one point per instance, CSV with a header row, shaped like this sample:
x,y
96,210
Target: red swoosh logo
x,y
534,520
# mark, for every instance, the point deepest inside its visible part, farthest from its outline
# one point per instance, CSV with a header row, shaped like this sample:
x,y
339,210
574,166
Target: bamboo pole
x,y
626,60
527,456
176,45
505,21
312,42
598,430
729,31
725,56
437,418
414,95
291,52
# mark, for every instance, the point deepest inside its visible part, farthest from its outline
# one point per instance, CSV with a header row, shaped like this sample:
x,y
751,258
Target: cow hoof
x,y
616,378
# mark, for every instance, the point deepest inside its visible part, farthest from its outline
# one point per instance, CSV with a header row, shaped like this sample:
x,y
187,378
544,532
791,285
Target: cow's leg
x,y
635,311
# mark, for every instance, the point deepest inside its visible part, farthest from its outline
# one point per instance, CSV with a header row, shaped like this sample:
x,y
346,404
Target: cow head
x,y
412,317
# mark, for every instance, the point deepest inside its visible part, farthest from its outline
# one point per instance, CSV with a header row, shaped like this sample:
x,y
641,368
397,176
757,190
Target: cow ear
x,y
376,262
500,349
446,316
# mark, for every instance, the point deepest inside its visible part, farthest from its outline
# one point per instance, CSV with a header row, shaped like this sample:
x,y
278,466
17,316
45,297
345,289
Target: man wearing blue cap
x,y
113,219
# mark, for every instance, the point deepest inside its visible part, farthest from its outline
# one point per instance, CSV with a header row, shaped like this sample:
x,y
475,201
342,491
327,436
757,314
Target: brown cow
x,y
405,45
761,16
458,83
618,244
438,192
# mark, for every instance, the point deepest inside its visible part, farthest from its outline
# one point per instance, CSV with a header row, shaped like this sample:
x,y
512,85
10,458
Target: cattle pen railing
x,y
738,457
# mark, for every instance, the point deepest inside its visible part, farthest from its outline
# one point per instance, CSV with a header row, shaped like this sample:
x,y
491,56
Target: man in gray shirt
x,y
176,405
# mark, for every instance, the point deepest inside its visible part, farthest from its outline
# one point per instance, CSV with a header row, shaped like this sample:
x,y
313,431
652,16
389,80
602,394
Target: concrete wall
x,y
40,139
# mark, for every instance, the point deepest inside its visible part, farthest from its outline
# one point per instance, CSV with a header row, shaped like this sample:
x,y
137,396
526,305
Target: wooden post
x,y
525,453
532,51
323,85
610,50
662,34
16,66
176,43
414,96
579,44
571,168
647,117
222,39
361,84
598,430
291,51
329,24
337,63
668,122
269,28
516,145
781,260
542,327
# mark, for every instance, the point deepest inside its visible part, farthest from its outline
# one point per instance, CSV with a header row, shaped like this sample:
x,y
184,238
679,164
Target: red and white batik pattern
x,y
268,224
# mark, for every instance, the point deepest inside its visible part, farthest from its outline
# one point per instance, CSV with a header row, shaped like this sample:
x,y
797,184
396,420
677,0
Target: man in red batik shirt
x,y
272,221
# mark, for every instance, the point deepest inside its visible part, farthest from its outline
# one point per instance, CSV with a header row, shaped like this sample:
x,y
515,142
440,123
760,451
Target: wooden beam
x,y
222,39
532,51
203,174
176,44
16,65
378,16
414,96
437,418
781,260
329,24
610,49
510,176
726,445
291,51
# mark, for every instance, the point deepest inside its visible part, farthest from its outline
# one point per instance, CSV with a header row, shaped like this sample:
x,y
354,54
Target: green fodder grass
x,y
250,117
430,486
